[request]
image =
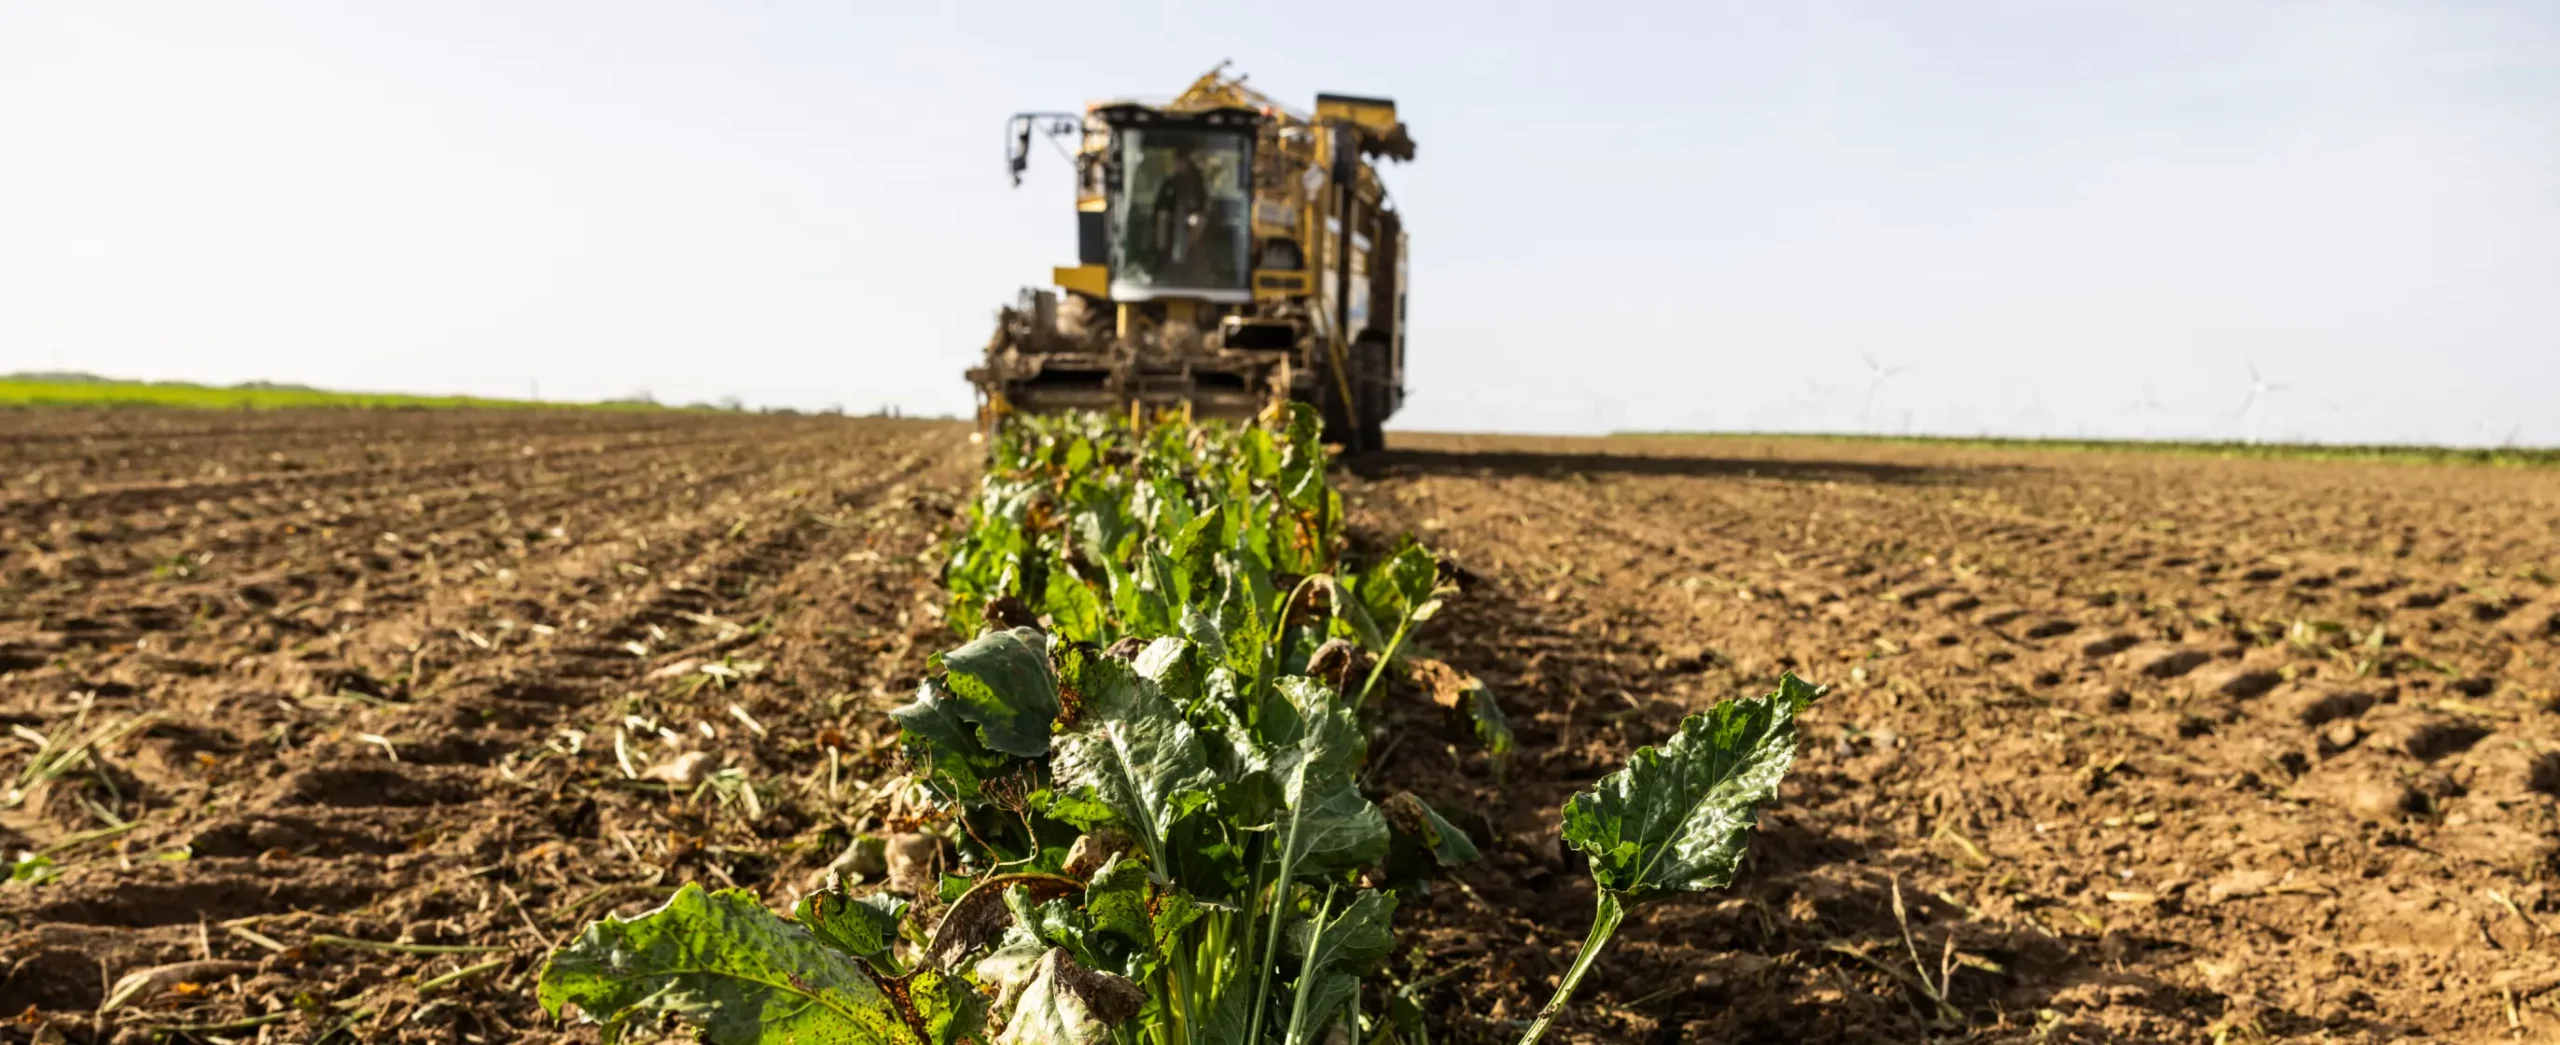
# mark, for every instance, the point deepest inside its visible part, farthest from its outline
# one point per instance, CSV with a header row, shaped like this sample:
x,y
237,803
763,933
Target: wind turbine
x,y
1816,402
2149,404
1877,374
2342,418
2259,388
2031,418
1602,410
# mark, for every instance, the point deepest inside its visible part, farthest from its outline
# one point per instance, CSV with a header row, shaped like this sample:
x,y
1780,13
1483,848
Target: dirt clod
x,y
2167,663
914,864
2314,705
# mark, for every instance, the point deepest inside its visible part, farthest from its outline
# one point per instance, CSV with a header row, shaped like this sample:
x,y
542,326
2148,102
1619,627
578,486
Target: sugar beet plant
x,y
1152,766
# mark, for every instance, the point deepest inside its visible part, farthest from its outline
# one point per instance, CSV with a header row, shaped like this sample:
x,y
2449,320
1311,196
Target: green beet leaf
x,y
1124,899
1329,828
744,976
940,733
1397,586
1072,605
1351,618
1068,1004
1416,822
1350,937
865,927
1493,728
1333,949
1009,968
1305,717
1325,997
1004,688
1168,662
1139,597
1194,559
1130,759
1301,464
1314,745
1055,922
1245,596
1207,634
1677,817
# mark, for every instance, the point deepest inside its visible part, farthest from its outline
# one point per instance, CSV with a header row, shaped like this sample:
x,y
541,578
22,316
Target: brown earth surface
x,y
2151,747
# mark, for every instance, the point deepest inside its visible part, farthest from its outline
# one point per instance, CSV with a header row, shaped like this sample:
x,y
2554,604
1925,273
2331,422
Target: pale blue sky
x,y
1656,215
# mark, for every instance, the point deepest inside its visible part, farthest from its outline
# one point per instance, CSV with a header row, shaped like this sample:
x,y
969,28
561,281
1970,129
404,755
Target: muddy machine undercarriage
x,y
1231,254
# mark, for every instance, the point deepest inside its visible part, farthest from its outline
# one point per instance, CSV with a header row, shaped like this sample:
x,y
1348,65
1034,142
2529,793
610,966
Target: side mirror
x,y
1017,147
1018,151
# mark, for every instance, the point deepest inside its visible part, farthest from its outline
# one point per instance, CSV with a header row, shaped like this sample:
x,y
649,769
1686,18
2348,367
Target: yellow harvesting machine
x,y
1231,253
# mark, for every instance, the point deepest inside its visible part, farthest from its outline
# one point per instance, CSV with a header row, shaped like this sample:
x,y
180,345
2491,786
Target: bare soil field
x,y
2118,727
374,675
380,706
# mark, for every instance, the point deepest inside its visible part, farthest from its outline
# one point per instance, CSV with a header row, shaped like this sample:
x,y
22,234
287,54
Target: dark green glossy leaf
x,y
1239,613
1309,745
1228,1015
1100,685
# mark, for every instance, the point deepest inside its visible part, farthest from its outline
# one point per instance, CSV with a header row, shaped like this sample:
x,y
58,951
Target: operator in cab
x,y
1182,219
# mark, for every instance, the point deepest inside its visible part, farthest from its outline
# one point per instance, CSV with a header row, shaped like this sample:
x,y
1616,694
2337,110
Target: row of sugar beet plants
x,y
1151,762
1102,532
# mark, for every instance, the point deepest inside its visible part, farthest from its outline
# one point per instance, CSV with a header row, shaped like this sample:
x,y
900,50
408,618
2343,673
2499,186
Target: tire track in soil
x,y
287,485
110,427
2152,841
87,621
139,455
505,817
141,542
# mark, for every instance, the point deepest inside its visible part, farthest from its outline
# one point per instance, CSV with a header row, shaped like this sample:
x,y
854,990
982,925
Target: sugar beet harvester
x,y
1212,270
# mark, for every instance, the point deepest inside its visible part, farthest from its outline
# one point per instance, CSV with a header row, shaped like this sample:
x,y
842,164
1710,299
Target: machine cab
x,y
1176,203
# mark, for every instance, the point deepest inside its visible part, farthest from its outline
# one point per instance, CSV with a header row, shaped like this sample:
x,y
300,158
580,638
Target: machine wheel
x,y
1329,405
1371,395
1369,380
